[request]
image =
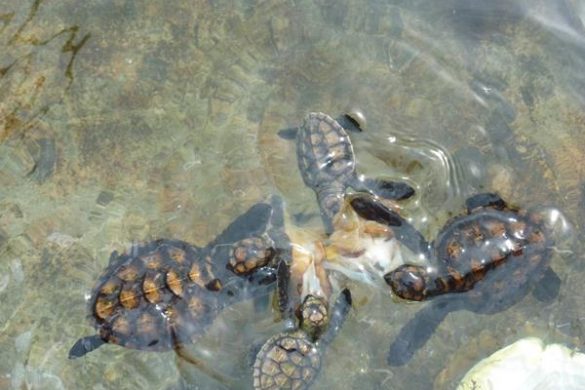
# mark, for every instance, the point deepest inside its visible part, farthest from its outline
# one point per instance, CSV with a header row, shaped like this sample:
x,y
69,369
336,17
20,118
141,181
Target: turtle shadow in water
x,y
165,294
484,260
418,330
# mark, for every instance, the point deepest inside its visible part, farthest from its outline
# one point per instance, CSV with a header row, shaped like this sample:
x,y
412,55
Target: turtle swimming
x,y
166,293
484,261
292,359
326,161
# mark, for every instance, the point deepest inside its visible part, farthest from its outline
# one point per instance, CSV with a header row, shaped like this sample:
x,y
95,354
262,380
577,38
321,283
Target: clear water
x,y
124,121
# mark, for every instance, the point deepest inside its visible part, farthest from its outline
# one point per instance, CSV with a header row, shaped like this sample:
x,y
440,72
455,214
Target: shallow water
x,y
123,122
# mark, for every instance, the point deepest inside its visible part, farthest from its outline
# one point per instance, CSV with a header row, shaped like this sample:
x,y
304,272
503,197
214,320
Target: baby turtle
x,y
166,293
292,360
492,245
489,258
327,164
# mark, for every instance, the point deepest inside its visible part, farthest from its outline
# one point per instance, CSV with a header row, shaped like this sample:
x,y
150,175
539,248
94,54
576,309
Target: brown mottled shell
x,y
287,361
249,254
155,297
494,253
324,150
499,240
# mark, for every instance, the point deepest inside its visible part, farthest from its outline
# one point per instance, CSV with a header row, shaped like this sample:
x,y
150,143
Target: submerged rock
x,y
528,364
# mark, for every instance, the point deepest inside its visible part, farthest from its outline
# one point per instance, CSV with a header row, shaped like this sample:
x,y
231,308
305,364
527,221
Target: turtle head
x,y
408,282
313,315
250,254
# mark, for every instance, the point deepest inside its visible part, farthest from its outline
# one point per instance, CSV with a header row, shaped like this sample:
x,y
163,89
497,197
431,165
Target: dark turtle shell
x,y
167,292
162,293
292,360
489,258
494,253
327,164
324,151
326,160
287,360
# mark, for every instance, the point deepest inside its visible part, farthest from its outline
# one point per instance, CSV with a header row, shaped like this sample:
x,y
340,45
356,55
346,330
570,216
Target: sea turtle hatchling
x,y
326,161
166,293
292,359
484,261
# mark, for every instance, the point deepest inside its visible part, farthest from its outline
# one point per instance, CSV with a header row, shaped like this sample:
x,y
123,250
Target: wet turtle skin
x,y
163,293
486,261
167,292
292,359
492,252
326,161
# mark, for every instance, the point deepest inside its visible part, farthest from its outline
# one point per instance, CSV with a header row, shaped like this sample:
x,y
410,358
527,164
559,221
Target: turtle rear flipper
x,y
547,288
415,334
349,123
339,313
254,222
387,189
368,207
85,345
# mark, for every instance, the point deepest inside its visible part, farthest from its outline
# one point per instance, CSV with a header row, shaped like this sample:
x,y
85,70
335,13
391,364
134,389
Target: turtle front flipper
x,y
488,199
254,222
338,315
351,122
387,189
370,208
547,288
85,345
415,334
283,276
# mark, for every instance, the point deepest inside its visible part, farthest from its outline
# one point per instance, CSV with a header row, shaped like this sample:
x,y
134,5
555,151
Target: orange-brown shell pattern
x,y
325,152
326,161
490,250
251,253
161,293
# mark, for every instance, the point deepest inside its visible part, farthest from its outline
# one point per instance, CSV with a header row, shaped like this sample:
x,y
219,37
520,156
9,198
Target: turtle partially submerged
x,y
484,261
166,293
327,164
292,359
